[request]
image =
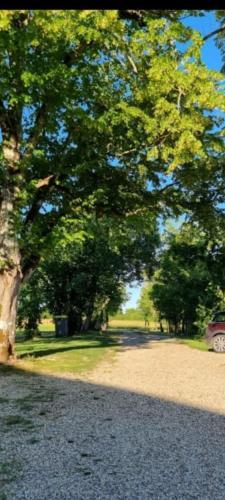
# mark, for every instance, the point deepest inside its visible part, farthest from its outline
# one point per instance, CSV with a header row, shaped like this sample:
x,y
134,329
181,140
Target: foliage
x,y
187,285
145,303
203,316
93,108
86,281
31,306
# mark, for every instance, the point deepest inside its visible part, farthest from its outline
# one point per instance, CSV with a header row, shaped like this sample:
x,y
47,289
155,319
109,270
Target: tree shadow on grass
x,y
47,350
127,340
98,442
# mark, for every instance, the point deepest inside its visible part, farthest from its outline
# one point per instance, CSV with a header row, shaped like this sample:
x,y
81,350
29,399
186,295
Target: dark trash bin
x,y
61,326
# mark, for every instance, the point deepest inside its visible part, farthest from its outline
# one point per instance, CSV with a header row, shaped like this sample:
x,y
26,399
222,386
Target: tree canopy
x,y
93,108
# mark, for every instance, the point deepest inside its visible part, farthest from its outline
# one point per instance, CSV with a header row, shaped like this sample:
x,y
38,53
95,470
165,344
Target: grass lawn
x,y
199,344
61,355
125,323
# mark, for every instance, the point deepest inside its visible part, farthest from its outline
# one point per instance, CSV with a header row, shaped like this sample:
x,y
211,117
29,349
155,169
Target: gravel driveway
x,y
149,425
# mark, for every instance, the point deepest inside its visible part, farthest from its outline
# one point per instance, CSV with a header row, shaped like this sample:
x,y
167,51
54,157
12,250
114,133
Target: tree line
x,y
188,284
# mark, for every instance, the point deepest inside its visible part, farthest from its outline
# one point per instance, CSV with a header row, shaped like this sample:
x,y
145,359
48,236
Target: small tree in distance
x,y
145,304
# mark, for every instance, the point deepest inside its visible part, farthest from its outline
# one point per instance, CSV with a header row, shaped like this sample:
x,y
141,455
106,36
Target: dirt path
x,y
149,364
150,425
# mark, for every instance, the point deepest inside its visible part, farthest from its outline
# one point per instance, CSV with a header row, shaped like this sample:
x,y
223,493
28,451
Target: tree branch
x,y
44,186
46,181
215,32
139,15
10,122
141,210
3,117
126,152
70,57
134,15
132,63
37,129
166,187
29,265
179,99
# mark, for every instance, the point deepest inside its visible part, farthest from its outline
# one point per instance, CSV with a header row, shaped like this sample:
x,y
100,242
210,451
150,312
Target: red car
x,y
215,332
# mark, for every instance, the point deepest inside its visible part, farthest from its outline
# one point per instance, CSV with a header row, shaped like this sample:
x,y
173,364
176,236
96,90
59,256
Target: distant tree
x,y
145,303
187,286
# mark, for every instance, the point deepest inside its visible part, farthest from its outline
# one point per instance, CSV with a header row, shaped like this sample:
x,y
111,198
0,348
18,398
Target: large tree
x,y
96,109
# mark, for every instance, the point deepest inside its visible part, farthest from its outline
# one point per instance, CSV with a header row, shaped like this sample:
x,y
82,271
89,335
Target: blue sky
x,y
212,58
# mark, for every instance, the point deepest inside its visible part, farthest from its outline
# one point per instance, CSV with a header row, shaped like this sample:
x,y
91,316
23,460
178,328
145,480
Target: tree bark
x,y
10,282
74,323
86,323
10,277
161,326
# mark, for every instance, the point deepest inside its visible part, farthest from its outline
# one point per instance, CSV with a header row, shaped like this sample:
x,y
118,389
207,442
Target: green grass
x,y
60,355
130,324
199,344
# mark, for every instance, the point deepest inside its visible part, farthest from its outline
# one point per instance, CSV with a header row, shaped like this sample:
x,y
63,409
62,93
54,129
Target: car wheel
x,y
219,343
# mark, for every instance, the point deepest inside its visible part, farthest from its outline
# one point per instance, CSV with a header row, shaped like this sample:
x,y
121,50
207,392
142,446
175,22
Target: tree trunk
x,y
30,327
10,282
10,276
74,323
105,321
88,320
86,323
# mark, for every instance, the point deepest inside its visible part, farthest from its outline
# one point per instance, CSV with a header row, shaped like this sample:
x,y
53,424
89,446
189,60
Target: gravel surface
x,y
149,425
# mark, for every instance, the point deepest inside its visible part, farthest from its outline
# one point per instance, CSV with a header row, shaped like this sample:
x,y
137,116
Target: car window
x,y
219,317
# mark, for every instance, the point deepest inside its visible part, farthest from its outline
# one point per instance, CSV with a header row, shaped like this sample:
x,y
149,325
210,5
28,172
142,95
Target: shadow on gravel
x,y
130,339
94,442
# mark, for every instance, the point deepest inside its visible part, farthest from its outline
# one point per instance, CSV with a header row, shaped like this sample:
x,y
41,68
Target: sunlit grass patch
x,y
130,324
59,355
46,326
199,344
